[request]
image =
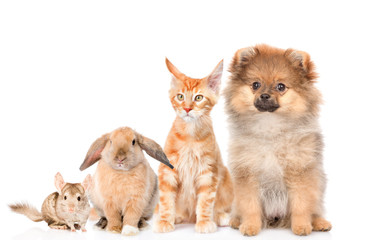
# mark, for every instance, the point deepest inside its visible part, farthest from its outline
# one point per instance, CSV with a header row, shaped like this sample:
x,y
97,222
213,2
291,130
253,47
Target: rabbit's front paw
x,y
129,230
114,229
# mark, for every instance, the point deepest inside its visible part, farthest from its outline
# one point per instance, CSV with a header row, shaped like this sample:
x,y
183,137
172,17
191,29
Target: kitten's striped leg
x,y
206,185
167,179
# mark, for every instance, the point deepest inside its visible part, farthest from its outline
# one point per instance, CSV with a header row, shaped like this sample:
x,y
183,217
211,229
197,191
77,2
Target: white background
x,y
73,70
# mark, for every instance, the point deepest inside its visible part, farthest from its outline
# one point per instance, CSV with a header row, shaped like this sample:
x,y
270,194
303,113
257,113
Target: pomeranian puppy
x,y
275,152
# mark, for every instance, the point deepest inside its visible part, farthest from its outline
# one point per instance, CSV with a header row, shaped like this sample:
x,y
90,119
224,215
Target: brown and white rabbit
x,y
68,208
125,190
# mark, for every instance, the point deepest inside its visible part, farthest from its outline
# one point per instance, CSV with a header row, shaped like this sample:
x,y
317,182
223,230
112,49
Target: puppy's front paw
x,y
235,222
163,226
205,227
250,229
302,229
129,230
320,224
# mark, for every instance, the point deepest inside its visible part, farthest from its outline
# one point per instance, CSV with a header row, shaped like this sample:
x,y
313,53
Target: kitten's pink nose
x,y
187,109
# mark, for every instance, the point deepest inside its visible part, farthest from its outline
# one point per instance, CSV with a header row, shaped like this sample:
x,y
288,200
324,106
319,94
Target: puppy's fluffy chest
x,y
271,151
275,142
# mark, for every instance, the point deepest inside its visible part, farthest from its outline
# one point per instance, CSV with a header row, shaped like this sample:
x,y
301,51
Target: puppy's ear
x,y
301,60
153,149
94,152
214,79
242,57
59,182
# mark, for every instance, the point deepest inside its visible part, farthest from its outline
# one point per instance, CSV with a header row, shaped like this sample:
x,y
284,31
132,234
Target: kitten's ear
x,y
214,79
301,60
173,70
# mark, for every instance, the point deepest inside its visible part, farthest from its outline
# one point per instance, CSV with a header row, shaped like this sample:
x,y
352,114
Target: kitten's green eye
x,y
180,97
199,98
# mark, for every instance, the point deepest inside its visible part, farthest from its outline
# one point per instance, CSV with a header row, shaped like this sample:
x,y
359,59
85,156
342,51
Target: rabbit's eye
x,y
78,198
133,142
65,197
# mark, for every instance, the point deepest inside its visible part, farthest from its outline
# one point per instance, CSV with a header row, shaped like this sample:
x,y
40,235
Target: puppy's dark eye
x,y
256,85
280,87
65,197
78,198
133,142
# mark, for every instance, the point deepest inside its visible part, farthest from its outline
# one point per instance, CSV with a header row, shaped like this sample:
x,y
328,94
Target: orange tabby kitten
x,y
199,189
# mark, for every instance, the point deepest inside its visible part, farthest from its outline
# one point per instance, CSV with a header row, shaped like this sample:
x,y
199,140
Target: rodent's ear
x,y
94,152
88,181
242,58
301,60
153,149
59,182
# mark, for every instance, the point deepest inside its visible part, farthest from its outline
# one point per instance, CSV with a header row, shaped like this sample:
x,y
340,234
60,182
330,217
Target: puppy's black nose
x,y
265,96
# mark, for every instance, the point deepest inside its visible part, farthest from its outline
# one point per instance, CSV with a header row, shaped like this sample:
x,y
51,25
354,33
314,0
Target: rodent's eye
x,y
280,87
198,98
256,85
133,142
65,197
111,142
78,198
180,97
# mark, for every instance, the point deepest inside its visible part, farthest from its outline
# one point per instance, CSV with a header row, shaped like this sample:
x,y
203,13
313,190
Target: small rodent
x,y
68,208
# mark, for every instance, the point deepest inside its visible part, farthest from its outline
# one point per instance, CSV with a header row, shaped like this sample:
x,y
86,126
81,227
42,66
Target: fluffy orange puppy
x,y
275,152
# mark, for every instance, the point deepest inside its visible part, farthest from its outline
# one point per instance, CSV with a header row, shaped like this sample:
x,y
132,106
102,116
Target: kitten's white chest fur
x,y
189,168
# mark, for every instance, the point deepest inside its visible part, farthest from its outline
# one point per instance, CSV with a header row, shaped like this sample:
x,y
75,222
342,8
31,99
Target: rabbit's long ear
x,y
153,149
94,152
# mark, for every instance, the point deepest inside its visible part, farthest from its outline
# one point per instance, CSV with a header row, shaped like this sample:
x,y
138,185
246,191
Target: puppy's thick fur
x,y
275,152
